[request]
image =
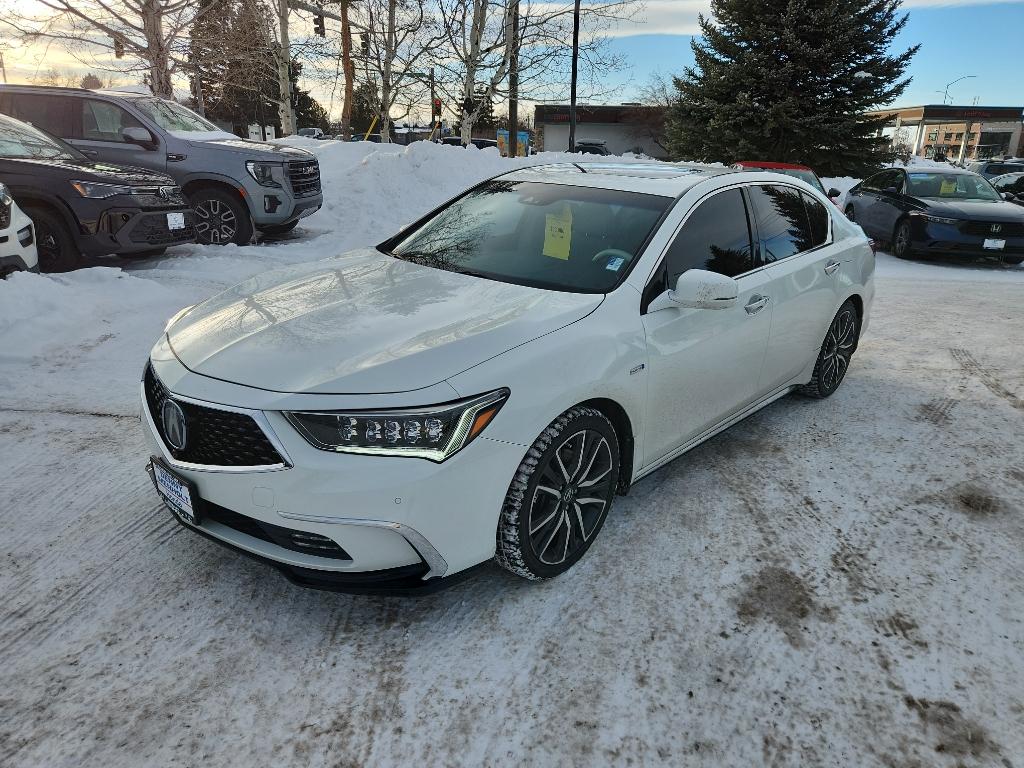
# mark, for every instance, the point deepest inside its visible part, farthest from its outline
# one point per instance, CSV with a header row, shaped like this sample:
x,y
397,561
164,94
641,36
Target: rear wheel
x,y
221,218
560,496
836,350
56,245
901,240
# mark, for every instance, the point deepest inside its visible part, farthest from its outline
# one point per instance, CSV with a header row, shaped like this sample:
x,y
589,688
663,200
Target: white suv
x,y
17,237
483,384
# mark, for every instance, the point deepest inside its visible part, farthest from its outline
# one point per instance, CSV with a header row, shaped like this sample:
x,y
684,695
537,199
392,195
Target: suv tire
x,y
544,528
56,245
221,218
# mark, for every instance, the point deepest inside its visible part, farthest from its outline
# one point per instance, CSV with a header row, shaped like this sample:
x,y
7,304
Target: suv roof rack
x,y
29,87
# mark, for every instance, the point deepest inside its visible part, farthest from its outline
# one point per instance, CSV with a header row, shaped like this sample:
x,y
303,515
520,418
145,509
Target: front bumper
x,y
127,230
400,523
18,244
947,240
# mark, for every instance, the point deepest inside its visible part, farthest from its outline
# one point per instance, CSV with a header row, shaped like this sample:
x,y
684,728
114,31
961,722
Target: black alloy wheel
x,y
901,240
220,218
56,246
560,496
835,354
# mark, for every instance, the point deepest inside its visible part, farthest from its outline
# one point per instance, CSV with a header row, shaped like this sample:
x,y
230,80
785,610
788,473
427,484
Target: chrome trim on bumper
x,y
258,416
438,565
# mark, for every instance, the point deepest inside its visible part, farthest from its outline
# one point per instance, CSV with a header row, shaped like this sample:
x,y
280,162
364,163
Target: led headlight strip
x,y
434,432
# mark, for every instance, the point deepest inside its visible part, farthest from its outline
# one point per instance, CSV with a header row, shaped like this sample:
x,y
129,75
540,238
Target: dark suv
x,y
85,208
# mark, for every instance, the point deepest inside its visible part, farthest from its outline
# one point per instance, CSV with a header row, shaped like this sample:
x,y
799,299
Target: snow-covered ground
x,y
827,583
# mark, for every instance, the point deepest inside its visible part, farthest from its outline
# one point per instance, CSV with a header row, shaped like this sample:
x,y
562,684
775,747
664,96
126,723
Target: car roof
x,y
665,179
769,164
951,170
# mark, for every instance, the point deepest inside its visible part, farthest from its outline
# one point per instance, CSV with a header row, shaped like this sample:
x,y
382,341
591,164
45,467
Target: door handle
x,y
831,267
756,304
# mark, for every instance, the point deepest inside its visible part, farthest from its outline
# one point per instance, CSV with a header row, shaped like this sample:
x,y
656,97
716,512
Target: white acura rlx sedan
x,y
483,384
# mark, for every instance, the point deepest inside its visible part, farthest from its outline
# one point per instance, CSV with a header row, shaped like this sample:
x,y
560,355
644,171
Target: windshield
x,y
171,116
21,141
951,186
553,236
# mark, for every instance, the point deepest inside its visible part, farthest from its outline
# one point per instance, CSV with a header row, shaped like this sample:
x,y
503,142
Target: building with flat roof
x,y
958,132
622,128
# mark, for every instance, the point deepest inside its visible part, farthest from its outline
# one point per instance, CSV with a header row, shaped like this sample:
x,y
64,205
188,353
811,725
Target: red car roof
x,y
767,164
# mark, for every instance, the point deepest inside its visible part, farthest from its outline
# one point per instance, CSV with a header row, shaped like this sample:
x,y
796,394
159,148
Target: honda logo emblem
x,y
996,228
175,429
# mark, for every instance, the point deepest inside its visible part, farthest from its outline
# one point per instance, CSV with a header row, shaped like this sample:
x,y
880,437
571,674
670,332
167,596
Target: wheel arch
x,y
32,199
620,420
194,185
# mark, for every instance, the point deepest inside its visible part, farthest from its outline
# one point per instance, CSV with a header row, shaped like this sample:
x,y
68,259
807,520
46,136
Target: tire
x,y
221,218
836,351
850,212
1014,260
901,240
56,245
278,229
545,496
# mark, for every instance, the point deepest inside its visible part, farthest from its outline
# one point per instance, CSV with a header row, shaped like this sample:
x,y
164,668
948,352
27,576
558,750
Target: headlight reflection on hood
x,y
434,433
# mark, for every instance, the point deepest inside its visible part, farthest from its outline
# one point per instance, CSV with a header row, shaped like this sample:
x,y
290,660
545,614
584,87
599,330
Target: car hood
x,y
110,173
261,150
975,210
363,323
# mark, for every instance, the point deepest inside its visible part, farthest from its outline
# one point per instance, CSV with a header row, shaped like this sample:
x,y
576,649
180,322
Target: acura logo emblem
x,y
173,420
997,228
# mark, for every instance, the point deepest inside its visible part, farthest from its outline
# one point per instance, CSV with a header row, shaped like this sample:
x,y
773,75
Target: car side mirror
x,y
892,190
833,192
699,289
1009,196
140,136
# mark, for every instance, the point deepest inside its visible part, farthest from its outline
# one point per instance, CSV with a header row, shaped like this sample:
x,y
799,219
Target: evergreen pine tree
x,y
789,81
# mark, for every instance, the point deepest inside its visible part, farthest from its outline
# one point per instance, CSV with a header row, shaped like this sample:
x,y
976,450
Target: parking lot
x,y
828,583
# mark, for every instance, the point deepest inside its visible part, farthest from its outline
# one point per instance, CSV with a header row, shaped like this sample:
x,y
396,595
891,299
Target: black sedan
x,y
938,211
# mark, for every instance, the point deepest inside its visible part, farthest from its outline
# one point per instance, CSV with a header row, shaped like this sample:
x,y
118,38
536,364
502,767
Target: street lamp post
x,y
945,93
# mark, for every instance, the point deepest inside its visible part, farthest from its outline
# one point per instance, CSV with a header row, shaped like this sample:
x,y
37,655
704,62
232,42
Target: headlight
x,y
433,433
5,195
266,174
96,190
935,219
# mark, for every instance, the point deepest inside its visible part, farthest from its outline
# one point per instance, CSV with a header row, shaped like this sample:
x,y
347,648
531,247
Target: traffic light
x,y
364,44
436,108
118,48
318,26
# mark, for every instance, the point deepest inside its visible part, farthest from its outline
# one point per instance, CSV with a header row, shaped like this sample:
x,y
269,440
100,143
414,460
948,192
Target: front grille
x,y
984,229
152,229
288,538
304,176
5,216
214,437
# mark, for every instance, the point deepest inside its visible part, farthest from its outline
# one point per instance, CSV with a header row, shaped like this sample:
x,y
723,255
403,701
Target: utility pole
x,y
286,111
435,114
350,71
575,65
513,85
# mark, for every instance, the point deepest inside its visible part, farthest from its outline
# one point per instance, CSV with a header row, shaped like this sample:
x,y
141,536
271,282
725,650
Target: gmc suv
x,y
235,186
83,207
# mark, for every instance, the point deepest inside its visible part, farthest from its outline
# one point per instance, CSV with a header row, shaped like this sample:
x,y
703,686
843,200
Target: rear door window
x,y
53,114
783,226
818,217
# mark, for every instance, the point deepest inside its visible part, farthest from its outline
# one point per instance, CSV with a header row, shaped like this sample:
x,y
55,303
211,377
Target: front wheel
x,y
834,357
901,240
221,218
55,244
560,496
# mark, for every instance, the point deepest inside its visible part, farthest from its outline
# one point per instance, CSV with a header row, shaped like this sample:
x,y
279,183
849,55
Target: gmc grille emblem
x,y
997,228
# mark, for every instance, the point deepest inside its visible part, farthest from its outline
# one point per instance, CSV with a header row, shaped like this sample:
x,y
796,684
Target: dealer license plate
x,y
994,245
176,493
175,220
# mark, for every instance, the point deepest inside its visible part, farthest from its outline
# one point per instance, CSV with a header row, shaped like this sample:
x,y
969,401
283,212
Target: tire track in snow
x,y
986,376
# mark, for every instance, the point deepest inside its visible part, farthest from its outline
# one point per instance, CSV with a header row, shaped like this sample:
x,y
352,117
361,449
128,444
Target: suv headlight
x,y
434,433
5,195
266,174
96,190
935,219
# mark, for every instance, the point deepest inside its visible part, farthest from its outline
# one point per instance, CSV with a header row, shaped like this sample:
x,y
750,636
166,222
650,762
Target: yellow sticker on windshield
x,y
948,187
558,234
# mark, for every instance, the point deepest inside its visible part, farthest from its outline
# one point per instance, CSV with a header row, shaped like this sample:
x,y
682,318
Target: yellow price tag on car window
x,y
948,187
558,234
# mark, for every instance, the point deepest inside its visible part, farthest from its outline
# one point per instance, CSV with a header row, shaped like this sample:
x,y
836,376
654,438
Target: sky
x,y
957,37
